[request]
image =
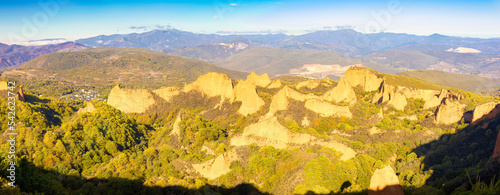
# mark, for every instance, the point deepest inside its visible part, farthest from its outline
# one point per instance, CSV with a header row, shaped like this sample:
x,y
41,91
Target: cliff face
x,y
262,80
89,108
485,111
167,93
246,93
312,102
3,85
343,92
129,100
274,84
213,84
385,182
269,132
365,77
449,112
390,95
327,109
214,168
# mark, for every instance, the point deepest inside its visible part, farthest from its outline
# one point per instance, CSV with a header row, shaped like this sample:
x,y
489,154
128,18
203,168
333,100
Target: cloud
x,y
148,28
233,4
139,28
262,31
336,27
40,42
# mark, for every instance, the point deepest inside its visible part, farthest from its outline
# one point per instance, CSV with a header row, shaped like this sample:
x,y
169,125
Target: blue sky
x,y
25,20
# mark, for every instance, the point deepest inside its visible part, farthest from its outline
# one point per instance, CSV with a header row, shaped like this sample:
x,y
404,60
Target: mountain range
x,y
15,55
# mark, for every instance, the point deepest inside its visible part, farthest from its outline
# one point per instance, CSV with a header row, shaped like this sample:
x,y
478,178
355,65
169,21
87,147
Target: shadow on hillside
x,y
459,159
33,179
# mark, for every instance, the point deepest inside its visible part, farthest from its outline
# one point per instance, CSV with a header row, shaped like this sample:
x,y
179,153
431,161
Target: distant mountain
x,y
157,40
15,55
471,63
212,52
105,67
276,61
346,42
466,82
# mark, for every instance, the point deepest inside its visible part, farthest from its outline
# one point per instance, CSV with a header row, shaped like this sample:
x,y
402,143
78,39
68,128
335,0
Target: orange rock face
x,y
485,111
385,182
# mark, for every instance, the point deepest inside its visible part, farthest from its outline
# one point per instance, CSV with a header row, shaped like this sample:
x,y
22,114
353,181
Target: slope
x,y
104,67
466,82
279,61
14,55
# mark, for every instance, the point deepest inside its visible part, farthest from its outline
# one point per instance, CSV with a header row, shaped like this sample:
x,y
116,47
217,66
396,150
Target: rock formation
x,y
213,84
279,102
20,94
365,77
214,168
385,182
275,84
434,100
4,85
261,81
130,100
311,84
390,95
269,132
167,93
327,109
343,92
176,129
246,93
89,108
485,111
449,112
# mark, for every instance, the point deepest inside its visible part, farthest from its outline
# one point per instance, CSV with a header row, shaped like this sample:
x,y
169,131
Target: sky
x,y
46,21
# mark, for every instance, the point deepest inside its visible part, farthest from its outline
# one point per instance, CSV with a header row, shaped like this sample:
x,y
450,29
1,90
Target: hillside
x,y
465,82
212,52
280,61
16,55
367,133
101,68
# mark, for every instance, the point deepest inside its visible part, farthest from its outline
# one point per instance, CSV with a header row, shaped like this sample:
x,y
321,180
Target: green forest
x,y
61,150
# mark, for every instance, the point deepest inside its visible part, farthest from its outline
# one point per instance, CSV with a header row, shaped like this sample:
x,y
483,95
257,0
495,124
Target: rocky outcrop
x,y
385,182
262,80
214,168
130,100
485,111
20,94
311,84
246,93
89,108
4,85
449,112
176,129
365,77
327,109
275,84
270,132
343,92
390,95
213,84
435,99
167,93
279,102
